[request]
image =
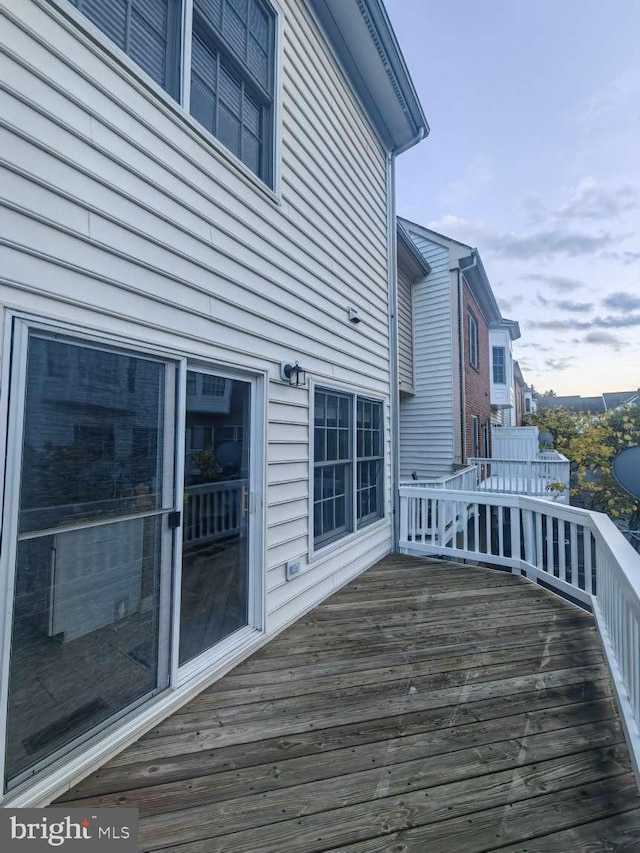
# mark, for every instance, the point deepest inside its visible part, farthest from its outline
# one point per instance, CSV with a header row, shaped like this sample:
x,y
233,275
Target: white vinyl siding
x,y
427,419
405,328
121,216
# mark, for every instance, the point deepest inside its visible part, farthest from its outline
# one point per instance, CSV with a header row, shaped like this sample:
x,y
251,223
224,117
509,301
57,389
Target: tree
x,y
590,444
549,393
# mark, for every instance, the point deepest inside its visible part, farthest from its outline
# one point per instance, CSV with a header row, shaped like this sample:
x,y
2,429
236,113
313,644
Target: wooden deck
x,y
426,707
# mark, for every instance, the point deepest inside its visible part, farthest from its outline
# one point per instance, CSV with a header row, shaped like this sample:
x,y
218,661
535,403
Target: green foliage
x,y
590,443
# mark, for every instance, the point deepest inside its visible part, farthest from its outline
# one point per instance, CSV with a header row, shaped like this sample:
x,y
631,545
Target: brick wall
x,y
477,386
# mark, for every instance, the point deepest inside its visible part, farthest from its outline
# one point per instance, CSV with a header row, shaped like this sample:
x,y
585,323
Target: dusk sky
x,y
534,158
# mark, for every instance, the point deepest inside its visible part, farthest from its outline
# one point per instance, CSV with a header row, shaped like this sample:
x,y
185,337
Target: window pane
x,y
319,406
85,633
111,18
212,10
234,30
258,25
320,451
147,48
332,444
228,129
230,91
332,411
258,62
81,460
250,151
251,116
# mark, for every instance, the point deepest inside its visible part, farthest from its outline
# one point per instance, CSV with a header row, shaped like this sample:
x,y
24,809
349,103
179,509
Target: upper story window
x,y
474,356
230,85
147,30
499,366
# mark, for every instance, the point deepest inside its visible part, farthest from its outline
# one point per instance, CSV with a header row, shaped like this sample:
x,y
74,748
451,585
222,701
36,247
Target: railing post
x,y
516,555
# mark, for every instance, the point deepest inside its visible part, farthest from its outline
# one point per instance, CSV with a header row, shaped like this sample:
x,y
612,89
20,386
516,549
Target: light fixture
x,y
293,374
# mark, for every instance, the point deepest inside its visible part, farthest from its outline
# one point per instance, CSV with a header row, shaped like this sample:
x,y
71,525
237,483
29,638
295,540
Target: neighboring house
x,y
530,402
199,353
592,405
574,402
446,417
503,394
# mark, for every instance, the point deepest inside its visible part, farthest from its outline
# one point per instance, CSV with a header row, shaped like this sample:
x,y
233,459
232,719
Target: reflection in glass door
x,y
89,636
215,556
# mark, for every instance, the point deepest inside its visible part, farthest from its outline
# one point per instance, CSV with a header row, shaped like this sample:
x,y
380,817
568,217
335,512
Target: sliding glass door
x,y
215,534
90,623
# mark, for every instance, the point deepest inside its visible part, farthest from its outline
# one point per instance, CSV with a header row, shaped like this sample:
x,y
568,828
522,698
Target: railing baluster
x,y
549,538
588,573
574,552
562,556
500,530
539,553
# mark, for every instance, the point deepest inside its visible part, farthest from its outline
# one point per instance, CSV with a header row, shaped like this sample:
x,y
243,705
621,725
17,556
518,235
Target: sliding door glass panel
x,y
86,633
215,557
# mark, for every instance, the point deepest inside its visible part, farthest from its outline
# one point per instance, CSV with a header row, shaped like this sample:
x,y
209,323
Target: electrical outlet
x,y
294,567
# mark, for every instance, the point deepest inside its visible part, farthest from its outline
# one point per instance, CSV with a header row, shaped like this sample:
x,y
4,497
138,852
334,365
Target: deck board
x,y
426,706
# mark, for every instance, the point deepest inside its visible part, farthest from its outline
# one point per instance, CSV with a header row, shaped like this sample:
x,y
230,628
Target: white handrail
x,y
576,552
538,477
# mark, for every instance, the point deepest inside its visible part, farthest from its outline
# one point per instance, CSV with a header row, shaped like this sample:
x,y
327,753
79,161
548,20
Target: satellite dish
x,y
626,470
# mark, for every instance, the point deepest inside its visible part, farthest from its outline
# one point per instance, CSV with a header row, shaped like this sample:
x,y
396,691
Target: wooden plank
x,y
605,814
438,656
200,713
620,832
216,735
360,766
521,660
268,660
572,703
305,821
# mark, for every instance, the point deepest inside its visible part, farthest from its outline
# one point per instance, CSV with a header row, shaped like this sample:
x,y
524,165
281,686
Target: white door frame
x,y
256,616
91,750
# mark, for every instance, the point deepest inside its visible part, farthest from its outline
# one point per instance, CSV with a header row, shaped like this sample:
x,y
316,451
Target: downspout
x,y
392,287
394,405
463,397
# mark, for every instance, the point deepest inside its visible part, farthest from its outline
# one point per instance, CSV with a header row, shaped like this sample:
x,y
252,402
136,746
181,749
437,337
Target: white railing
x,y
212,511
515,442
465,479
578,553
533,477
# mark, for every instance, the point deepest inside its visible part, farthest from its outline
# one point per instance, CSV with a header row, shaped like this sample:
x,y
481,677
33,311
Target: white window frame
x,y
318,551
91,751
474,346
495,364
180,105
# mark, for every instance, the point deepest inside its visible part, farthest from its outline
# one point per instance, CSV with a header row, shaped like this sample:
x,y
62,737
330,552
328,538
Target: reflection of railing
x,y
574,551
525,477
212,511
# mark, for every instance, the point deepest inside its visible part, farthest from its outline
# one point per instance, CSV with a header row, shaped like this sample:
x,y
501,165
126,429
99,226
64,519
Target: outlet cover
x,y
294,567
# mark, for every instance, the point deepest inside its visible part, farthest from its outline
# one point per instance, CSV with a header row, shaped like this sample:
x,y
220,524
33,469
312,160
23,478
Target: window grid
x,y
499,367
348,461
370,460
474,358
232,70
332,466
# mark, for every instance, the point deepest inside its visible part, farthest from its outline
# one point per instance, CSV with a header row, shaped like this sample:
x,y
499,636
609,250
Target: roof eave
x,y
363,39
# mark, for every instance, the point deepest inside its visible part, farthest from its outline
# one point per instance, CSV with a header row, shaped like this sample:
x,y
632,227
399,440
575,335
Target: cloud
x,y
559,363
622,257
569,305
622,301
594,201
556,282
581,325
605,339
551,243
509,303
534,345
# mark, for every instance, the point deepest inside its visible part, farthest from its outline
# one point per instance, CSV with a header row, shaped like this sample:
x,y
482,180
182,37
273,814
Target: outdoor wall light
x,y
293,374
